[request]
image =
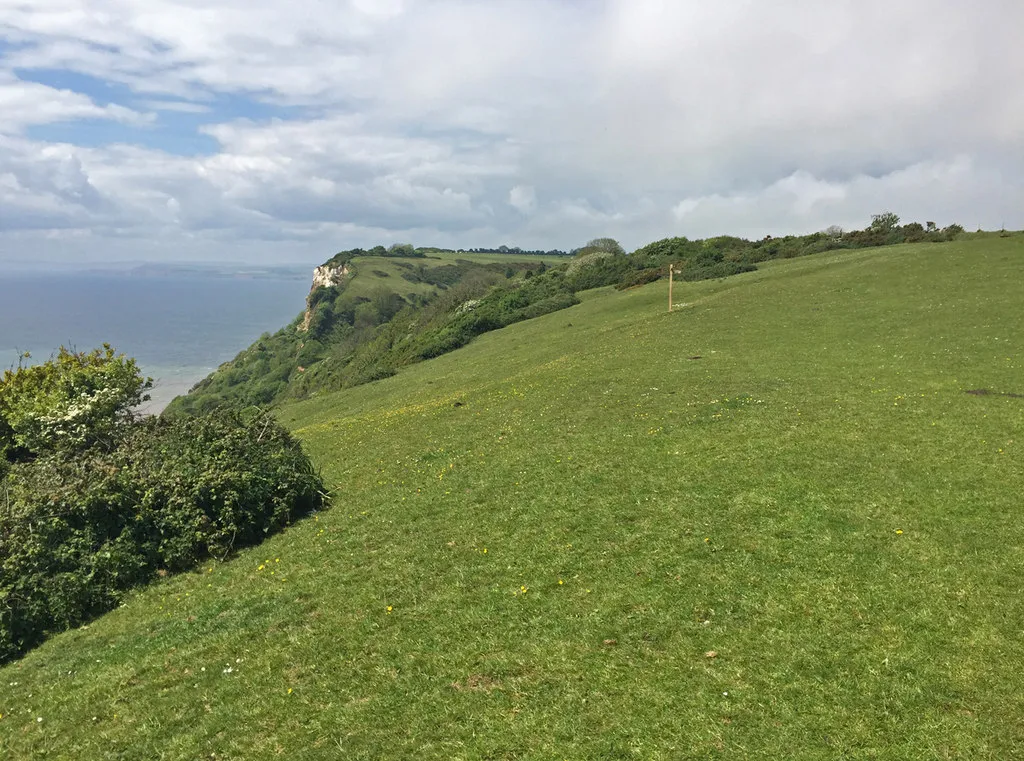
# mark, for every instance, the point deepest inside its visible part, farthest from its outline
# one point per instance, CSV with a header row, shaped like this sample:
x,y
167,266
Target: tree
x,y
913,232
401,250
885,222
602,245
71,402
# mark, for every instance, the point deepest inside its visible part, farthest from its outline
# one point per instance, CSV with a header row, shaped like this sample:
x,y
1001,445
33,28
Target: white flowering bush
x,y
73,401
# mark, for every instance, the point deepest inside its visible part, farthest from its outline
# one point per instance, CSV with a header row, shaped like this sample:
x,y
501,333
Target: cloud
x,y
178,106
527,122
24,104
814,204
523,198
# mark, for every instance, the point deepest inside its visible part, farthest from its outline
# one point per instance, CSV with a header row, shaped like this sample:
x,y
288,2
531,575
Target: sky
x,y
281,132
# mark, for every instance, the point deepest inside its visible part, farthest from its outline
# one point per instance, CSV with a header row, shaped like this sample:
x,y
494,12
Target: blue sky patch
x,y
175,131
93,133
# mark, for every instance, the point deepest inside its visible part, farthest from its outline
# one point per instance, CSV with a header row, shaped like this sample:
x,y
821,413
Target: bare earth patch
x,y
990,392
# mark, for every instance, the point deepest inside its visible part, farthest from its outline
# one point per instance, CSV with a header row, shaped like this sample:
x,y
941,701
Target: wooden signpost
x,y
671,271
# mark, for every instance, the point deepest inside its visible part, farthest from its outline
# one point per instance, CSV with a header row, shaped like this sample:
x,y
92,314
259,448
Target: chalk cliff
x,y
324,276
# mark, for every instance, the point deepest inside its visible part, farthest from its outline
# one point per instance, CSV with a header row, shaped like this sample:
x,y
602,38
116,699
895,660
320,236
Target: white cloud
x,y
25,104
519,121
804,202
523,198
178,106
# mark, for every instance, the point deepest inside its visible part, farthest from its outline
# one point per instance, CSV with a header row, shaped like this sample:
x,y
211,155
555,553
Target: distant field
x,y
369,269
783,521
368,277
489,258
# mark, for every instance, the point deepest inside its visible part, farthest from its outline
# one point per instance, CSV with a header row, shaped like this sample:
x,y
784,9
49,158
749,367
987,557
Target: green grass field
x,y
376,272
769,525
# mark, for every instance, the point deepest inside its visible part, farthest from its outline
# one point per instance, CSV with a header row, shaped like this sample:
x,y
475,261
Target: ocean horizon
x,y
179,327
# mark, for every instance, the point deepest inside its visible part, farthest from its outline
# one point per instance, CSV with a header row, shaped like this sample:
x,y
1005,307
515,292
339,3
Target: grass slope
x,y
574,539
376,272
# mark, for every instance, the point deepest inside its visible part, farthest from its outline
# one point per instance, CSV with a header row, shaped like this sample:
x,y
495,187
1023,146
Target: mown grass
x,y
768,525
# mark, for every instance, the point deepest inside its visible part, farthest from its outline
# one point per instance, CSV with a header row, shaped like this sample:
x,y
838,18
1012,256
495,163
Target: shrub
x,y
79,530
951,232
73,401
321,294
640,277
716,270
321,320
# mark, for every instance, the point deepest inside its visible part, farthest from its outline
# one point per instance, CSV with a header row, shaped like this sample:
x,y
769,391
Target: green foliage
x,y
885,222
81,528
727,255
73,401
711,270
640,277
597,269
321,319
357,332
951,232
404,250
399,250
321,295
602,245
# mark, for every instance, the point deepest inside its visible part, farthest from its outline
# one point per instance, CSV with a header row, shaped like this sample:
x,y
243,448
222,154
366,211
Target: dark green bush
x,y
640,277
79,530
717,270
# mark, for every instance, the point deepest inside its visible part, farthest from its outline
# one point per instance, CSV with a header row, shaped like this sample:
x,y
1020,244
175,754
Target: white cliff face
x,y
326,276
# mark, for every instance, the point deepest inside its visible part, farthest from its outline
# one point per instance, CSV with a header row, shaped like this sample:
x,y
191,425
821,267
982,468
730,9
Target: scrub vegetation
x,y
782,521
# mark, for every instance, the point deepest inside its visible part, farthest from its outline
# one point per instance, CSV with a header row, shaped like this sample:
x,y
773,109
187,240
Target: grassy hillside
x,y
771,524
373,312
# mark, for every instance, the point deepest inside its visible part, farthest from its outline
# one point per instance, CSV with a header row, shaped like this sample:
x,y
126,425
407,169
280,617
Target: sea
x,y
178,326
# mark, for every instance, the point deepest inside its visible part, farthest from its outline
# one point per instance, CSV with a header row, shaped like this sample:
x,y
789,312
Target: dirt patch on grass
x,y
477,683
990,392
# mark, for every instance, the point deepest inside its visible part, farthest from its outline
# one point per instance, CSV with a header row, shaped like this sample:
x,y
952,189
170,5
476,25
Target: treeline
x,y
97,500
513,250
728,255
395,250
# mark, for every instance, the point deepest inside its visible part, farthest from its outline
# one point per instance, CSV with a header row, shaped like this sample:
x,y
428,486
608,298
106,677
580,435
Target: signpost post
x,y
671,271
